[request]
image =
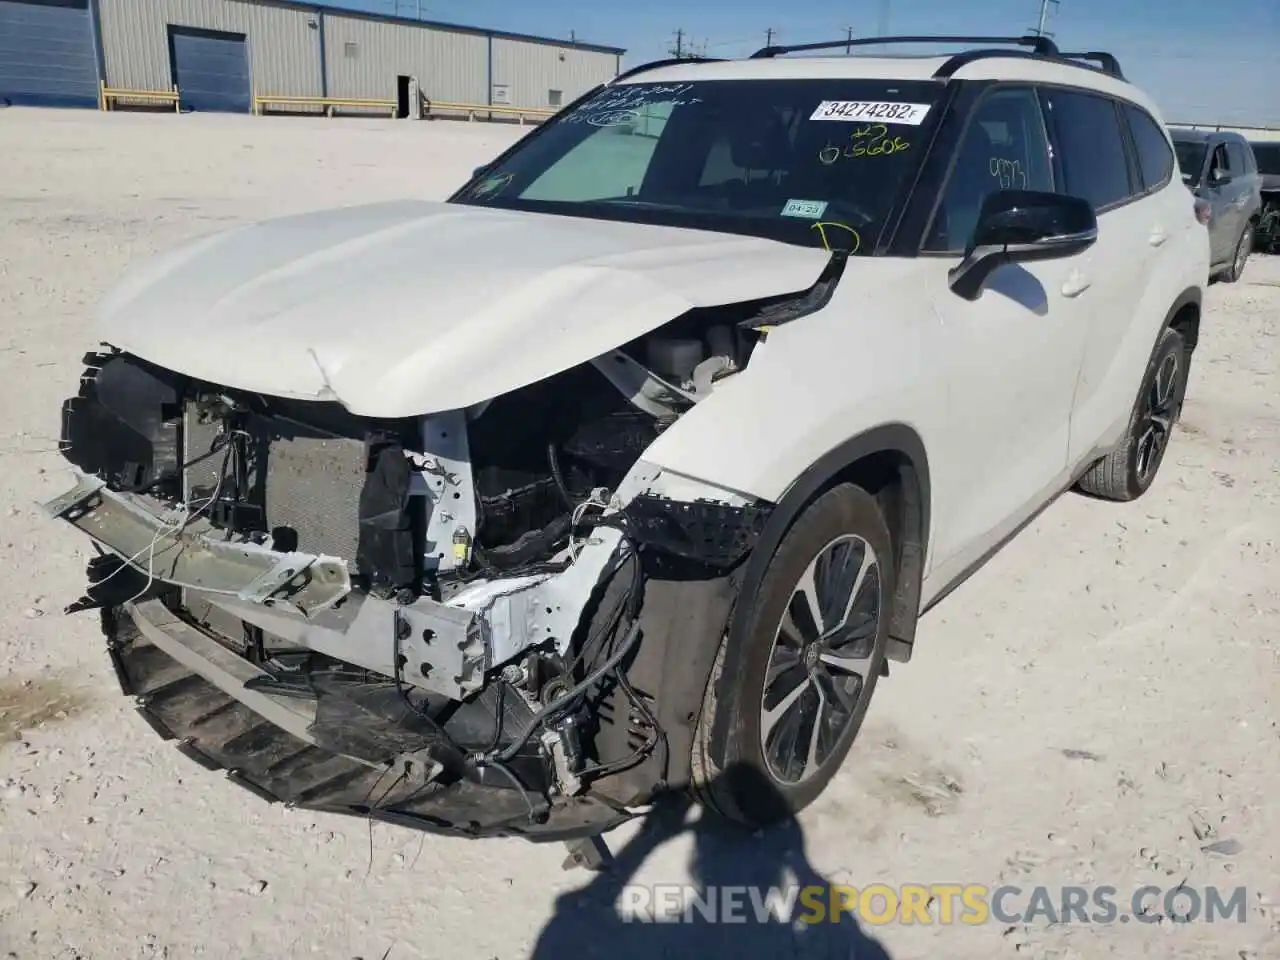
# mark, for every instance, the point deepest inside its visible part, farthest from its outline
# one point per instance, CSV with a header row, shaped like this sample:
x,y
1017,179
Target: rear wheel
x,y
771,737
1243,249
1129,470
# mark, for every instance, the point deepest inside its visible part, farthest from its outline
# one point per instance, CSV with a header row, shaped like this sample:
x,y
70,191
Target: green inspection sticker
x,y
808,209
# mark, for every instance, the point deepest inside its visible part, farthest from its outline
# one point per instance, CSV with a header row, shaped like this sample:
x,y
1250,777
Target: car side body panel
x,y
1119,346
870,357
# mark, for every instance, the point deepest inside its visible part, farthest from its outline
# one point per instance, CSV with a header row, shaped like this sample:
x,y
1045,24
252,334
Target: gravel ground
x,y
1097,706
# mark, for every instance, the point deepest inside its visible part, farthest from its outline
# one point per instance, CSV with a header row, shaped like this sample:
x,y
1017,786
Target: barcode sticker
x,y
872,111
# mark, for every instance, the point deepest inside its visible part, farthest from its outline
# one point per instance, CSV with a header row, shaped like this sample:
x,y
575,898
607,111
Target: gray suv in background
x,y
1220,168
1267,154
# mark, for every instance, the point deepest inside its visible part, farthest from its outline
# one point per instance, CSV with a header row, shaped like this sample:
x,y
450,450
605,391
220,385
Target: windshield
x,y
1268,157
1190,158
813,162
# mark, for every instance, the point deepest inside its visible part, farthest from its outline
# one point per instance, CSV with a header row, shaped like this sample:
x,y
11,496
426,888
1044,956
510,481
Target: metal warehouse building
x,y
220,53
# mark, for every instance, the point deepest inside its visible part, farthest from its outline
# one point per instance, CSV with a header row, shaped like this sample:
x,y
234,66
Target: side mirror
x,y
1021,226
475,174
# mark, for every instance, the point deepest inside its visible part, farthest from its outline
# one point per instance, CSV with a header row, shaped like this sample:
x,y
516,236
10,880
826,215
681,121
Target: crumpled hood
x,y
412,307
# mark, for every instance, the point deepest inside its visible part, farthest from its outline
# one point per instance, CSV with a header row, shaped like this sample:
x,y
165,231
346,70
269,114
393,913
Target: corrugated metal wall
x,y
365,56
362,55
283,42
530,71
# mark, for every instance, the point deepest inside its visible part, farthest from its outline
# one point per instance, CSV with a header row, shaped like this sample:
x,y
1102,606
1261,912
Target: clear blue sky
x,y
1203,61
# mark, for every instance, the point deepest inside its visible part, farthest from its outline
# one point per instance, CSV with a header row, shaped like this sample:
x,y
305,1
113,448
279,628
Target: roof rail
x,y
1040,45
1108,63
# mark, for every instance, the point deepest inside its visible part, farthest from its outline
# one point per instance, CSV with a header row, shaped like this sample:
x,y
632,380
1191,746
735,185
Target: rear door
x,y
1089,146
1246,194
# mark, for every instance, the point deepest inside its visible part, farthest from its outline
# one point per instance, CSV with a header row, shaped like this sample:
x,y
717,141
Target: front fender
x,y
811,386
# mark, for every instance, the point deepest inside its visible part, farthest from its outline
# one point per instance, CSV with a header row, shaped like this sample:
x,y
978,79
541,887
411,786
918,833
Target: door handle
x,y
1157,237
1076,284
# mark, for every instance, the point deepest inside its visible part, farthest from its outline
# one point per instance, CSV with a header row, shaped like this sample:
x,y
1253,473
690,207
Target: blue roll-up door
x,y
211,69
47,53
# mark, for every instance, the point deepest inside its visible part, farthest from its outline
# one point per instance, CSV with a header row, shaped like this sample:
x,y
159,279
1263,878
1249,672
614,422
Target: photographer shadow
x,y
589,922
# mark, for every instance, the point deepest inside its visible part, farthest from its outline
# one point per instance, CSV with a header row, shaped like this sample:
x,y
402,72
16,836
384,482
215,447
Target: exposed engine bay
x,y
442,619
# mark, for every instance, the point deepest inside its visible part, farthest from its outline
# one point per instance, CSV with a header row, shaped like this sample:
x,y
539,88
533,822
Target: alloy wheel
x,y
1242,253
819,668
1157,425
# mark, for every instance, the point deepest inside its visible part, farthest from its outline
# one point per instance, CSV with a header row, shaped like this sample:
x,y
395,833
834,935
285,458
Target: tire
x,y
1129,470
1243,248
734,775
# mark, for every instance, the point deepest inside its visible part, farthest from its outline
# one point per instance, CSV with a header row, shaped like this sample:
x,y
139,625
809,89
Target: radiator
x,y
313,481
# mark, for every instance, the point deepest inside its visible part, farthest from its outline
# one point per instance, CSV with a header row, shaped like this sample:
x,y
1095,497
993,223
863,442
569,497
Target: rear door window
x,y
1155,156
1089,147
1190,159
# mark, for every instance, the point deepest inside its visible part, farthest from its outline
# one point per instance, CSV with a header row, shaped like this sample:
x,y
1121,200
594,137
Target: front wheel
x,y
772,736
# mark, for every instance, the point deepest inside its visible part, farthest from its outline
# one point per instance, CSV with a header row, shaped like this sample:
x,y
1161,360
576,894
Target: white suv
x,y
627,469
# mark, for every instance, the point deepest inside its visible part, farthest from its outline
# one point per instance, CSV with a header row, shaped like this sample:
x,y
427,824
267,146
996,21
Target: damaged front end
x,y
1267,238
484,621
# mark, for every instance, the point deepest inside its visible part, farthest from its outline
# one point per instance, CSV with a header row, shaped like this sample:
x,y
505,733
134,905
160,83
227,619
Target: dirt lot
x,y
1097,706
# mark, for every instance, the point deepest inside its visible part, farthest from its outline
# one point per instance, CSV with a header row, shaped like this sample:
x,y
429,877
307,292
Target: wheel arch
x,y
1184,316
890,462
693,619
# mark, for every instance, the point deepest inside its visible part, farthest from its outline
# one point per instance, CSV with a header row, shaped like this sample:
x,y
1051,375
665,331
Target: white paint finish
x,y
873,350
413,307
284,51
1124,327
532,70
1009,361
982,383
1043,71
364,56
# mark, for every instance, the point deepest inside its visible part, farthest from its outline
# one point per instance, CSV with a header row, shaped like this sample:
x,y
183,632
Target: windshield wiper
x,y
633,202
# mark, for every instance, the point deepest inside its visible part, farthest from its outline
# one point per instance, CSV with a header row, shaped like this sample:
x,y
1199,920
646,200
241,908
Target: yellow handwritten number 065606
x,y
874,141
870,141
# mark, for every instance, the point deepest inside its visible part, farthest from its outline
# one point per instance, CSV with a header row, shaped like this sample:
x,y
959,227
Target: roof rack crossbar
x,y
1041,45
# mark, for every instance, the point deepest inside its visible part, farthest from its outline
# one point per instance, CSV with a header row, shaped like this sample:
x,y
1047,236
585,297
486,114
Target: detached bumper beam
x,y
443,649
192,690
179,551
